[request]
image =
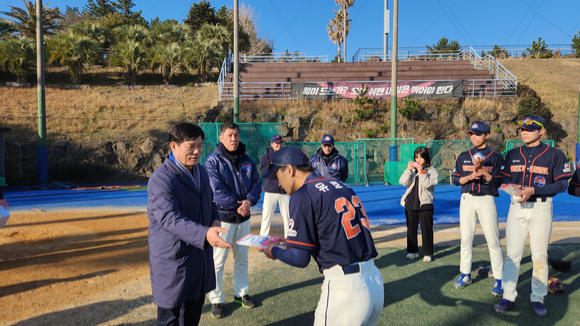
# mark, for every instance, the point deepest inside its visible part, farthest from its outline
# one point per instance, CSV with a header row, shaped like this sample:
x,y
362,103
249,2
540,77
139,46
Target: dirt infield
x,y
57,268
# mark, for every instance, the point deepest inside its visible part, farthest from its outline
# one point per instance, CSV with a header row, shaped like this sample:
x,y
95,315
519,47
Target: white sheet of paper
x,y
254,240
5,214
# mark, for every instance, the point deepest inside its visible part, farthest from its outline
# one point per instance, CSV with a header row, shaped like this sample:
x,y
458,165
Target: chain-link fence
x,y
511,144
378,152
256,137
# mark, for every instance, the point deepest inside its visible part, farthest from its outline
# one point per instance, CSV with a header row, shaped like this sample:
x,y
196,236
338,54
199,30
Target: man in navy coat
x,y
184,226
327,163
236,185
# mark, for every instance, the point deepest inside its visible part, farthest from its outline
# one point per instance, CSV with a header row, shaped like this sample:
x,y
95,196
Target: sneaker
x,y
504,305
497,290
462,281
427,259
217,310
245,301
412,256
539,309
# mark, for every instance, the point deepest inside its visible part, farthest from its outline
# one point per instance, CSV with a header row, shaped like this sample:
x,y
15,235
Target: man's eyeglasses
x,y
529,122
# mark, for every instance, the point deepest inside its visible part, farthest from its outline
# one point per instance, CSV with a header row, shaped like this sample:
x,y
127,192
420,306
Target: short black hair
x,y
301,168
424,153
185,131
228,125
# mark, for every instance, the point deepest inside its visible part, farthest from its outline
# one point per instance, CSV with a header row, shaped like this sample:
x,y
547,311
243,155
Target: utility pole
x,y
386,26
236,64
42,151
393,146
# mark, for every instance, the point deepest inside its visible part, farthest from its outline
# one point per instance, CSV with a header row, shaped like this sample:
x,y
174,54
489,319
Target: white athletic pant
x,y
536,221
235,232
470,209
350,300
270,201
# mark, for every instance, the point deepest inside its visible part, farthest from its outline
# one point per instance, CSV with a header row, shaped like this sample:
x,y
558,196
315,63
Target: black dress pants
x,y
413,219
187,315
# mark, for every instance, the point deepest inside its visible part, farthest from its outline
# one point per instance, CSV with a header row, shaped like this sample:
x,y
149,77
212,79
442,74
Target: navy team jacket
x,y
231,184
542,169
337,167
492,162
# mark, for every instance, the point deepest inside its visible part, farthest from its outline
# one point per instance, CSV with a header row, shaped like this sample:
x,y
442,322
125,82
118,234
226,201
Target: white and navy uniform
x,y
478,202
329,223
546,169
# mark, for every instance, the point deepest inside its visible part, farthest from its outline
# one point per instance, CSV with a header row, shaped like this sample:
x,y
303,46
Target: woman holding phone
x,y
420,179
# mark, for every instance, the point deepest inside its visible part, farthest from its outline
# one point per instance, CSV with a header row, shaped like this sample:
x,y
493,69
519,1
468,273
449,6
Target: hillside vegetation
x,y
107,112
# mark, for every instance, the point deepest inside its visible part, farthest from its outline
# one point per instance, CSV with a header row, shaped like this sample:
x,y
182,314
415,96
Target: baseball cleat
x,y
485,271
427,259
412,256
503,306
217,310
462,281
539,309
245,301
497,290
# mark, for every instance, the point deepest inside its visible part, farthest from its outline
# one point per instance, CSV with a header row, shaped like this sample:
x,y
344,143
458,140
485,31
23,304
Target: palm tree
x,y
74,51
6,28
24,20
345,4
335,30
136,33
168,58
217,32
170,32
18,56
131,56
202,53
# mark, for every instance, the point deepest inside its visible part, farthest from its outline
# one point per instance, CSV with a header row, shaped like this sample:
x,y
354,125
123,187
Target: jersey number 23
x,y
342,204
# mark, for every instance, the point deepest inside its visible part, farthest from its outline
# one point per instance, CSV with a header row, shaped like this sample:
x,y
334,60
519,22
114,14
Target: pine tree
x,y
100,8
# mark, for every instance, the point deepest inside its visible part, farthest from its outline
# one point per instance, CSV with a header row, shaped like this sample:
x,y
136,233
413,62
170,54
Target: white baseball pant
x,y
470,209
537,221
352,299
270,201
242,281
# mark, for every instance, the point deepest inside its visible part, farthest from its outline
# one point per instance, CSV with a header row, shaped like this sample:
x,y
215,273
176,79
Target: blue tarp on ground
x,y
381,202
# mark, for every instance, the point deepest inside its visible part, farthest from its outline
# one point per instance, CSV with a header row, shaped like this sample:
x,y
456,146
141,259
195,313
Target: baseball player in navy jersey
x,y
540,172
477,172
329,223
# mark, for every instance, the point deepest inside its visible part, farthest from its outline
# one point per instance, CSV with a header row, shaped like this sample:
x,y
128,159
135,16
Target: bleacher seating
x,y
271,80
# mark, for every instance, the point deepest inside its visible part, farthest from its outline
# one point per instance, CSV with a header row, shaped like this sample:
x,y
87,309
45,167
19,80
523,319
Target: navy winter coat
x,y
179,218
269,184
232,184
337,167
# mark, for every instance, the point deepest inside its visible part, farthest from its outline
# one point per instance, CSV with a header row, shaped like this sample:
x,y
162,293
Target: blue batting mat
x,y
382,203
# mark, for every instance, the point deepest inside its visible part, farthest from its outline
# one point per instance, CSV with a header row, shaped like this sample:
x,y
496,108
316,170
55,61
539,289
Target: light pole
x,y
393,147
42,151
236,65
386,32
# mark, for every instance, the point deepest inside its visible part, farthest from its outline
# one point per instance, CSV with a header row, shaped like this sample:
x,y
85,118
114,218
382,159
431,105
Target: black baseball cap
x,y
479,128
532,122
288,155
276,139
327,139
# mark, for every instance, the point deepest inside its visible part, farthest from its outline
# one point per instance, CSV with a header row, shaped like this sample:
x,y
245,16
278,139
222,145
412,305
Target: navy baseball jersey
x,y
492,162
329,220
541,168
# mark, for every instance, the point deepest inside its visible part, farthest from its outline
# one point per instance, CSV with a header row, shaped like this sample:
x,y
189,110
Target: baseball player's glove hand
x,y
555,286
